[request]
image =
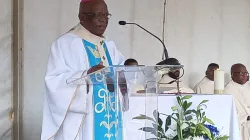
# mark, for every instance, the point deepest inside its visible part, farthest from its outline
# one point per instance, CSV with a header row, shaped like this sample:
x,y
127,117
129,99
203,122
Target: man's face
x,y
175,74
133,64
96,19
210,72
240,75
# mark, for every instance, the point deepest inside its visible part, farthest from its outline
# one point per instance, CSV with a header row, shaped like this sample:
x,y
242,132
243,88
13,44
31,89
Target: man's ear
x,y
206,73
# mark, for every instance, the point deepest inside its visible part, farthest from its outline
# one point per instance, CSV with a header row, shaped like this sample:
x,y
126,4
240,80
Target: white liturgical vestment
x,y
205,86
241,94
172,88
68,110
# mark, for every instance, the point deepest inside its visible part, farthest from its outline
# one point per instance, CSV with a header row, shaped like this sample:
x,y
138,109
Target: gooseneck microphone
x,y
164,47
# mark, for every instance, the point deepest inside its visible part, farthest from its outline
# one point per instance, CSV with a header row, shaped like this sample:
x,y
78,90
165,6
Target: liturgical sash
x,y
107,116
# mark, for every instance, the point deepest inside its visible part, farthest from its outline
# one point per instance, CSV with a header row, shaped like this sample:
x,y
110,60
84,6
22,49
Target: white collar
x,y
208,80
237,85
83,33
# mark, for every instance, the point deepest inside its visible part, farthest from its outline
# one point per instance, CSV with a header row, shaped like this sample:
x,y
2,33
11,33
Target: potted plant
x,y
190,124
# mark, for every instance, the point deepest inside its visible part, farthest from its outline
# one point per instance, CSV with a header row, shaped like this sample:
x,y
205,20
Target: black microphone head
x,y
169,61
122,22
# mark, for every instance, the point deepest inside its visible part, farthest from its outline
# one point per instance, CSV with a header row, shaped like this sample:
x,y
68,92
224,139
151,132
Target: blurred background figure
x,y
168,82
131,62
206,85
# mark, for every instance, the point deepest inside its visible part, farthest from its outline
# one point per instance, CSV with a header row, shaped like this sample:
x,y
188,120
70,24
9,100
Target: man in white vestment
x,y
168,82
82,112
241,93
206,85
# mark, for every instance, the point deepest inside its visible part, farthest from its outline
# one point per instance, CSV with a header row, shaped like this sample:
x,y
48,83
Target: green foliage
x,y
193,119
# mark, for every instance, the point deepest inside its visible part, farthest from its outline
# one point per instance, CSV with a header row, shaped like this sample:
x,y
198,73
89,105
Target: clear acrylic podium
x,y
121,82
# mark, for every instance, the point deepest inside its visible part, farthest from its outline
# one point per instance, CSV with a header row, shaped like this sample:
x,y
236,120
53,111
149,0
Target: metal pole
x,y
17,67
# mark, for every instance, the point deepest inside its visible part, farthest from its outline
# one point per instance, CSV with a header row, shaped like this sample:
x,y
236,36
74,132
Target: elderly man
x,y
85,112
206,85
168,82
241,93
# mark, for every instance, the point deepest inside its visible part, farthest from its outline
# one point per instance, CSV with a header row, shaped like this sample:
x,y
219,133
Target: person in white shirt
x,y
206,85
86,111
134,87
241,93
168,82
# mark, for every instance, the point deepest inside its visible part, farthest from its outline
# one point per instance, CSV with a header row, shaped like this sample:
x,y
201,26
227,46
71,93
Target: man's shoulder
x,y
66,41
201,83
110,43
229,88
67,37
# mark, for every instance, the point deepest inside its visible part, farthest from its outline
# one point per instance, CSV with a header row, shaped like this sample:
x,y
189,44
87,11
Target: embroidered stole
x,y
107,116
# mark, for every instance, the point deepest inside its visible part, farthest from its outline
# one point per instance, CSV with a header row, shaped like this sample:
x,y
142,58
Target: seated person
x,y
206,85
131,62
241,91
133,86
168,82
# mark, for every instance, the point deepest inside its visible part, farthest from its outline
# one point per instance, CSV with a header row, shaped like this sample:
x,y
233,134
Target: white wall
x,y
5,69
197,32
204,31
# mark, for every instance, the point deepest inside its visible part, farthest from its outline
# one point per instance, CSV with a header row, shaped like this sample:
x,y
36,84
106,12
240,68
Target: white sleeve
x,y
197,89
58,93
118,57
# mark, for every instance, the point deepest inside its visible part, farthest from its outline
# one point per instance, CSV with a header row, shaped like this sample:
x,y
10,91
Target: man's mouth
x,y
101,27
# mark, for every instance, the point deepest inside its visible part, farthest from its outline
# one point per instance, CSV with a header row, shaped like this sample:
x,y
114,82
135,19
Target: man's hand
x,y
95,68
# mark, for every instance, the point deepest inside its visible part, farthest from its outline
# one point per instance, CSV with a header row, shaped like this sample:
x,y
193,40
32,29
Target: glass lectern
x,y
112,87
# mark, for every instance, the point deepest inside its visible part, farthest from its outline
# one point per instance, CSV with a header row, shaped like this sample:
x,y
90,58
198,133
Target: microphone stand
x,y
164,47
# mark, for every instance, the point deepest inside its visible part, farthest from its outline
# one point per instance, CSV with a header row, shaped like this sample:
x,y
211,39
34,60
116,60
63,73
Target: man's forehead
x,y
92,5
240,68
83,1
92,2
213,67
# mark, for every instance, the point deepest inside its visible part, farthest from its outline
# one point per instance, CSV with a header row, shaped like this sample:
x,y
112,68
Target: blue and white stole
x,y
107,114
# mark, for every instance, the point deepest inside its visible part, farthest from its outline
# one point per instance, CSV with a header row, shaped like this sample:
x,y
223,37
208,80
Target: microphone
x,y
164,47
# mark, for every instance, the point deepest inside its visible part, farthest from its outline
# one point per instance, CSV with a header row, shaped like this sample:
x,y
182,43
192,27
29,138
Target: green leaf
x,y
158,129
205,130
160,122
155,129
186,97
203,114
209,121
204,101
189,112
174,108
223,138
198,112
189,104
155,125
155,113
143,117
184,106
167,123
189,118
179,100
203,121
